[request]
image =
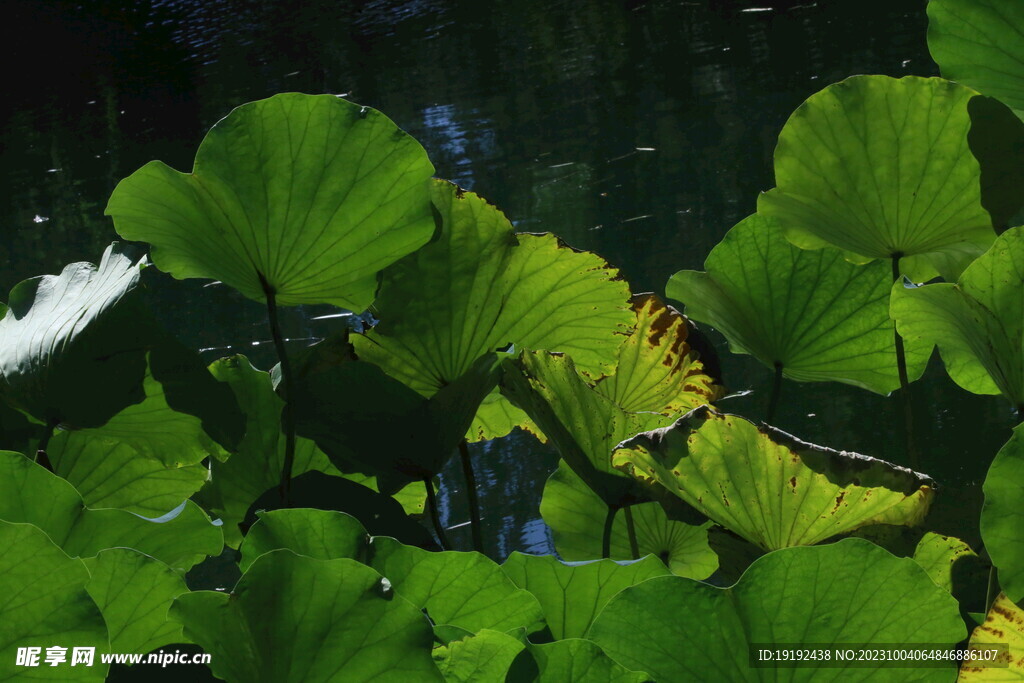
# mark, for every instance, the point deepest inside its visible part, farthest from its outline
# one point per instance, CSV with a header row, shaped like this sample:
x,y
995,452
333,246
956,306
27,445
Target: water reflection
x,y
641,130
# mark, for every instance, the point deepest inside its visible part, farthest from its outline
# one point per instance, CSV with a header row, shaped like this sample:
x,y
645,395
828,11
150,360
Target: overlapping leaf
x,y
847,592
656,378
810,312
485,656
45,604
480,287
322,534
1002,517
977,323
573,595
308,196
278,626
576,517
980,43
1004,628
575,659
879,168
768,487
31,494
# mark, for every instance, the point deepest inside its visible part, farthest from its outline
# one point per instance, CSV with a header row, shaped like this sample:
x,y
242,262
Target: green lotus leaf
x,y
768,487
496,417
111,474
256,466
1004,625
949,562
31,494
576,517
656,378
978,43
485,656
293,618
810,313
45,605
573,595
134,593
385,428
977,322
880,168
575,659
307,196
474,593
69,353
321,534
481,286
1002,516
846,592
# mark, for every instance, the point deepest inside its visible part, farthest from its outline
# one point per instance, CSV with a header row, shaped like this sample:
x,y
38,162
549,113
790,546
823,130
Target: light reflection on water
x,y
641,130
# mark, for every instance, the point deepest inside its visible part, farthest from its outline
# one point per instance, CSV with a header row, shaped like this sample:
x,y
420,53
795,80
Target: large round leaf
x,y
297,619
45,604
576,517
881,167
308,196
481,286
980,43
1002,516
978,323
31,494
770,488
323,534
847,592
655,379
809,312
134,593
573,595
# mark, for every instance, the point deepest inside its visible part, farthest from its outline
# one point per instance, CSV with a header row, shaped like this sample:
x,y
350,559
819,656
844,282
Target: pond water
x,y
642,130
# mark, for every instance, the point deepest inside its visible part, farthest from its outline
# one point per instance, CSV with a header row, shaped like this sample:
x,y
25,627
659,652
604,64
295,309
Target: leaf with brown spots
x,y
769,487
1004,624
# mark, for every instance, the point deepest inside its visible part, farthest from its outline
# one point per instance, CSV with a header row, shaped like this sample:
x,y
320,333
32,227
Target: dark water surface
x,y
639,130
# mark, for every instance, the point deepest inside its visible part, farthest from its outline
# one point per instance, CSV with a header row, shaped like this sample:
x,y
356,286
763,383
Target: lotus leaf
x,y
880,168
656,378
480,286
1002,516
58,612
322,534
277,625
31,494
846,592
977,322
485,656
1004,625
572,595
134,592
770,488
978,43
576,517
810,313
575,659
304,196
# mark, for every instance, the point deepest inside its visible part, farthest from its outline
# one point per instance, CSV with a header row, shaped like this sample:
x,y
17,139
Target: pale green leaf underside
x,y
45,603
771,489
978,323
876,167
847,592
311,192
294,619
485,656
576,516
812,312
980,43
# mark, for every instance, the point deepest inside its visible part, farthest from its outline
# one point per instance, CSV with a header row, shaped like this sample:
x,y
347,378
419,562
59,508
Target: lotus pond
x,y
332,401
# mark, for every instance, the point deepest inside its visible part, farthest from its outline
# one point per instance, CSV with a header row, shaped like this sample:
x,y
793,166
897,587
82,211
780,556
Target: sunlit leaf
x,y
880,167
310,194
575,659
770,488
485,656
1004,625
1002,516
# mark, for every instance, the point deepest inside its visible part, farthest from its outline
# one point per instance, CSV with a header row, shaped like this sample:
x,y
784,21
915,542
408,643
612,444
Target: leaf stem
x,y
773,402
988,591
287,418
634,547
434,514
471,494
901,368
606,535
